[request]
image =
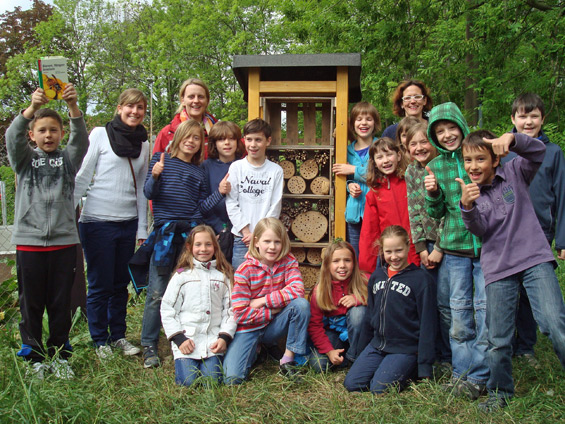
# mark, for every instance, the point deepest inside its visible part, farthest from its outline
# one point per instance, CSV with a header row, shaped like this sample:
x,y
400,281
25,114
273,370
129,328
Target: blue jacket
x,y
214,171
355,206
547,191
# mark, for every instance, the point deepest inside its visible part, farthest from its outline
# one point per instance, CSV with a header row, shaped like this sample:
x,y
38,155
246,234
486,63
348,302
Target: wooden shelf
x,y
301,244
307,196
300,147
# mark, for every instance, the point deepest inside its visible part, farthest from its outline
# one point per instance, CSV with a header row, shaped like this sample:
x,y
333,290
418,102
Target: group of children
x,y
432,217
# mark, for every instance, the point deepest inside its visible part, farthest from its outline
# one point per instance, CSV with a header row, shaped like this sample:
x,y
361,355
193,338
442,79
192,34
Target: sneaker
x,y
61,369
529,359
104,352
150,357
37,370
493,404
467,389
126,347
291,370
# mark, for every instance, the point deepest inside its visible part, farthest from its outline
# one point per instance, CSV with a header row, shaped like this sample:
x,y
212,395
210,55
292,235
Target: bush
x,y
7,175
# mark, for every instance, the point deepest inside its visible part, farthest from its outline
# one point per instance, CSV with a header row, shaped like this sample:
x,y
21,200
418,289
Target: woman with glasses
x,y
411,98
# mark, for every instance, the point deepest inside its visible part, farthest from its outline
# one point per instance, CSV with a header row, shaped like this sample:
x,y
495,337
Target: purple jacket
x,y
504,216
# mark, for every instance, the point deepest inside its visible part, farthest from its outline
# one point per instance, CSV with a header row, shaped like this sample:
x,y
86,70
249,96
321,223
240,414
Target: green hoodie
x,y
447,166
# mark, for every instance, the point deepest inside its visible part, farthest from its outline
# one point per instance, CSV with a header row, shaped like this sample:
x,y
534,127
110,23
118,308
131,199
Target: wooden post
x,y
341,106
254,105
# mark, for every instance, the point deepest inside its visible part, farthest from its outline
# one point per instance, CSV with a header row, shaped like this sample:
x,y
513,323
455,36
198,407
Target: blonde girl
x,y
177,187
386,202
196,313
337,309
401,317
364,122
268,303
403,126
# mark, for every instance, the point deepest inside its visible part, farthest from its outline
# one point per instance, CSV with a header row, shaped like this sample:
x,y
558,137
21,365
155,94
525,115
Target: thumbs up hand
x,y
430,182
225,186
158,167
501,145
469,193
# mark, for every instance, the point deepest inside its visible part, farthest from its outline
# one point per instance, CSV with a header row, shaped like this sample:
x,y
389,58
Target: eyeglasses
x,y
416,97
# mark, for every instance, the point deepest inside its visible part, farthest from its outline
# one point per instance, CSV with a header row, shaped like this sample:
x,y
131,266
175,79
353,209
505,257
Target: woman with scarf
x,y
115,209
194,98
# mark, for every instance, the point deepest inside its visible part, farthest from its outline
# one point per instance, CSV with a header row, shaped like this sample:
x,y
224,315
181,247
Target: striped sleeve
x,y
291,279
241,297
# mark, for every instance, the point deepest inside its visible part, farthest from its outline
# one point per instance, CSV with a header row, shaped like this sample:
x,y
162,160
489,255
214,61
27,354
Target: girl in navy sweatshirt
x,y
400,321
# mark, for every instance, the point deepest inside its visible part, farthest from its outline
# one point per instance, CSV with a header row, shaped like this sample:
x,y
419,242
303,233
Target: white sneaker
x,y
37,370
126,347
61,369
104,352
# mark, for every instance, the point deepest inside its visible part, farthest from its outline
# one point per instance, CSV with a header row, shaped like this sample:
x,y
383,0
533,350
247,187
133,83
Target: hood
x,y
446,112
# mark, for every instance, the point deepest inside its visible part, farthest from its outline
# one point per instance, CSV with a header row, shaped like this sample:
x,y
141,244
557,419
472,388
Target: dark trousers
x,y
44,282
526,327
108,246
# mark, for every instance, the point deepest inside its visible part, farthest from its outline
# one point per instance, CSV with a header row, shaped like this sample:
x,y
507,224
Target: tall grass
x,y
121,391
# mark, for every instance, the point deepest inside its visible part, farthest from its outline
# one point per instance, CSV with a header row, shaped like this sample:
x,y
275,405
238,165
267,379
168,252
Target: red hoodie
x,y
384,206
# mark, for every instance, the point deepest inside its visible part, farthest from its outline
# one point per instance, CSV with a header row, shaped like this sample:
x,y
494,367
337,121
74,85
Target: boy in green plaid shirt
x,y
461,268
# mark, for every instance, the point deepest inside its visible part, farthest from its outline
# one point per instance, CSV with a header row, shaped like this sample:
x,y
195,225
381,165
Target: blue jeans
x,y
377,371
355,317
443,347
526,335
546,299
188,370
291,322
151,325
108,247
468,333
353,233
239,251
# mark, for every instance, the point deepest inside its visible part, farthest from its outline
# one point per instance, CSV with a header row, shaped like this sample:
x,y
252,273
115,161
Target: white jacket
x,y
197,303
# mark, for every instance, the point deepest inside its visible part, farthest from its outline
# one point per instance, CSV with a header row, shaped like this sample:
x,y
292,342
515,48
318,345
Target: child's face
x,y
528,123
421,149
226,149
479,165
256,146
132,114
395,251
341,266
269,246
403,138
194,101
364,126
386,161
448,135
203,247
412,106
188,147
47,134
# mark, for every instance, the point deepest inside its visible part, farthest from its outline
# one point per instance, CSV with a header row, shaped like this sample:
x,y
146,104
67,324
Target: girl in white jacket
x,y
196,310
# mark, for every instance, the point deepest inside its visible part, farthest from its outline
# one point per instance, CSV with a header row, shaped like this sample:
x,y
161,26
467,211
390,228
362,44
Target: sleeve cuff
x,y
178,339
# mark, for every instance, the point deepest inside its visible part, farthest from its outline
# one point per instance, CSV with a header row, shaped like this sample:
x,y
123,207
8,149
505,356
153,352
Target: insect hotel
x,y
305,98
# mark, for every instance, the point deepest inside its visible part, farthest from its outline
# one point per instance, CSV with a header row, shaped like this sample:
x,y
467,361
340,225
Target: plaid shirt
x,y
446,167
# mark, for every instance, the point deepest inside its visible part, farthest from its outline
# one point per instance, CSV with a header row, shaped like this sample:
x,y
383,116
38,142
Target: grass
x,y
121,391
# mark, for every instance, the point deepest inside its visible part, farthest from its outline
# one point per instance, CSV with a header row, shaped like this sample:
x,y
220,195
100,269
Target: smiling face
x,y
421,149
413,101
194,101
256,146
386,161
47,134
395,251
364,126
188,147
226,148
132,114
203,247
269,246
341,265
448,135
479,165
528,122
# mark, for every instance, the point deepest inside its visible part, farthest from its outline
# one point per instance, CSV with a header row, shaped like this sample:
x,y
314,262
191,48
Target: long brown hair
x,y
185,129
374,176
357,281
399,92
186,259
363,108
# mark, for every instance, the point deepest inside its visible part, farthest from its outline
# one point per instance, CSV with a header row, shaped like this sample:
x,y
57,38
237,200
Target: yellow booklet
x,y
53,76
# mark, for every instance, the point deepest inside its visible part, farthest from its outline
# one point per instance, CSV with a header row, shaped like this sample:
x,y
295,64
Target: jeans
x,y
526,335
546,299
468,333
151,325
188,370
291,322
355,317
443,347
353,233
108,247
377,371
239,251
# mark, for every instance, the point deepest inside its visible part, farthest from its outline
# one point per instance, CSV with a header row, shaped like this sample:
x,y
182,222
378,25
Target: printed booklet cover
x,y
53,76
